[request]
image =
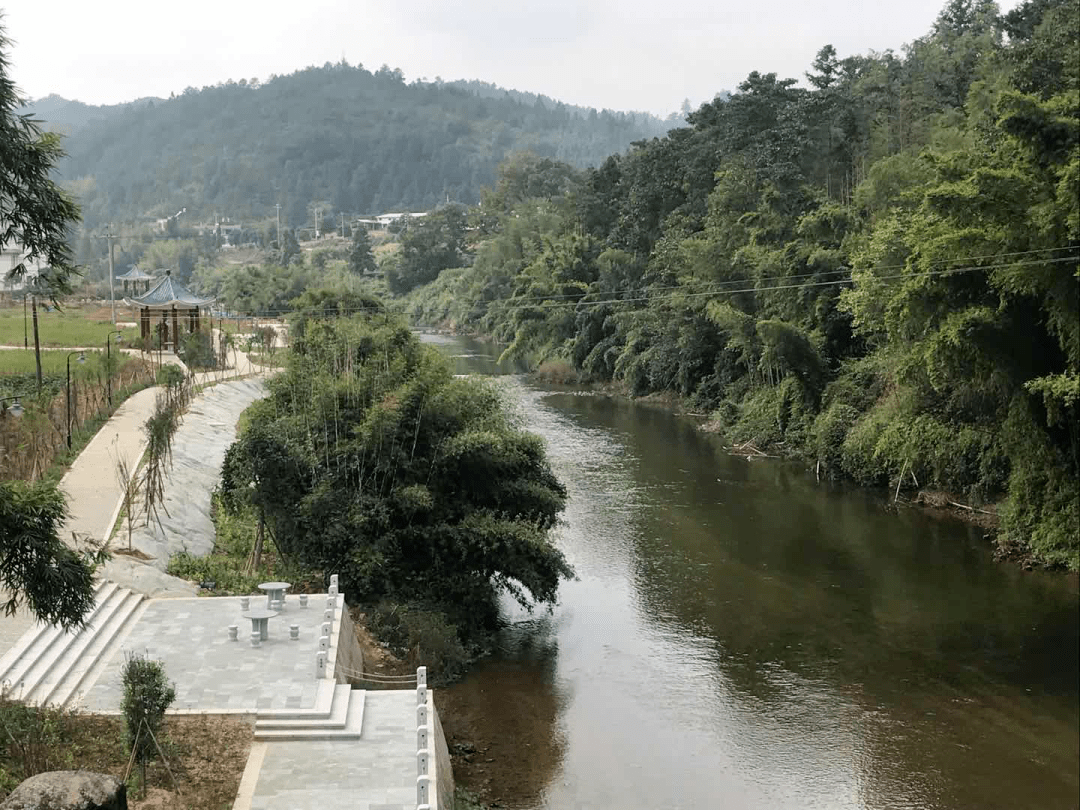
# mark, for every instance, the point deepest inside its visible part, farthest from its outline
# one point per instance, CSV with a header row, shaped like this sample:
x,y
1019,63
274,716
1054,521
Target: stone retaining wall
x,y
444,785
350,656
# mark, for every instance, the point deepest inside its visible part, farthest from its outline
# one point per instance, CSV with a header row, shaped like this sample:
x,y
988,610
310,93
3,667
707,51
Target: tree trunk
x,y
256,554
37,341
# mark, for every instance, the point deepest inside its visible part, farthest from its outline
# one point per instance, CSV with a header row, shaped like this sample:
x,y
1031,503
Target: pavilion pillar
x,y
175,331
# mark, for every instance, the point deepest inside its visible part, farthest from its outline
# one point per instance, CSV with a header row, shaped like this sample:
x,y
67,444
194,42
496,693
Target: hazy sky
x,y
619,54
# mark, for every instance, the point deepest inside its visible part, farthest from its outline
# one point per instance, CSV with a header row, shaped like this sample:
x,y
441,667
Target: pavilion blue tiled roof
x,y
134,274
166,293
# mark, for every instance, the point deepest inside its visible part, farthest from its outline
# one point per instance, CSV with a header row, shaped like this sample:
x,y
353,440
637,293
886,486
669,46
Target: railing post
x,y
423,784
421,676
421,763
320,664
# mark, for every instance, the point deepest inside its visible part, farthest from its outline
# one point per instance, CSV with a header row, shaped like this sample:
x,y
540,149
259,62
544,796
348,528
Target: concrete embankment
x,y
183,522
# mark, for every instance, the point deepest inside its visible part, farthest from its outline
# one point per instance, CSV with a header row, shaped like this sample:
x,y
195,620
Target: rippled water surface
x,y
741,636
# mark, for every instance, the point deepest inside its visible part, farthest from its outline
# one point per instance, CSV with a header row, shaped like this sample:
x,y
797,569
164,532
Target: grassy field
x,y
72,327
21,361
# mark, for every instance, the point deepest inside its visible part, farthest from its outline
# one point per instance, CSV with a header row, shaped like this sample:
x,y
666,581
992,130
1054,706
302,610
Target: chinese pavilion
x,y
169,307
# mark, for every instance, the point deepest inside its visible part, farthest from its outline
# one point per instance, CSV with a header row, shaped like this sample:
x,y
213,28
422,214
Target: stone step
x,y
324,701
37,641
89,677
62,652
339,713
69,673
352,730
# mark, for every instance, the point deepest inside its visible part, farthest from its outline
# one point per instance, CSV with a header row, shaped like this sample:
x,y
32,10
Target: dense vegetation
x,y
346,138
370,460
878,272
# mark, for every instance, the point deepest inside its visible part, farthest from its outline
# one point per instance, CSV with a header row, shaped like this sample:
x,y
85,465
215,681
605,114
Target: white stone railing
x,y
425,745
326,631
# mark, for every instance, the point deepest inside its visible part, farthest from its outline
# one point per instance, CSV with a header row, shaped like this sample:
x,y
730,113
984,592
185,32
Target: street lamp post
x,y
82,359
108,360
15,409
25,333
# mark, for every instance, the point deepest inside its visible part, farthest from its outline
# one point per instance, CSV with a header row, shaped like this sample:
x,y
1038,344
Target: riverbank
x,y
935,503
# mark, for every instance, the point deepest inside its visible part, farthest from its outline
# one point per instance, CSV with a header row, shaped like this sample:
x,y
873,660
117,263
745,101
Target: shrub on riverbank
x,y
231,565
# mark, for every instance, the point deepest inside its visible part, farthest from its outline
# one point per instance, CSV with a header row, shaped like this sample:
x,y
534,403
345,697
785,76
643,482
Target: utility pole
x,y
317,212
342,224
278,207
112,294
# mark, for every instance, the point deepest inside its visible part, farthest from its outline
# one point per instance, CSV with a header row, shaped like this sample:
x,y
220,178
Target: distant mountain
x,y
69,116
353,140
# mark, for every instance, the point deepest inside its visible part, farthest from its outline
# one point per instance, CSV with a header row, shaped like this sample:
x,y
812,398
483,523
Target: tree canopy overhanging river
x,y
741,636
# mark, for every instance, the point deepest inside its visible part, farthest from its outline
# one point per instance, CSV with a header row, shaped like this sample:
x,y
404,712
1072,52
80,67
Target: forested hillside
x,y
359,141
878,272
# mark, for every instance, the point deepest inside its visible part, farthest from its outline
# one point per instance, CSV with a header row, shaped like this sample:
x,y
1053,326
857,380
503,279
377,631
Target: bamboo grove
x,y
876,272
369,458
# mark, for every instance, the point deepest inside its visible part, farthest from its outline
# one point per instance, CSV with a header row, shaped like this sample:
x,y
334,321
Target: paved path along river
x,y
741,636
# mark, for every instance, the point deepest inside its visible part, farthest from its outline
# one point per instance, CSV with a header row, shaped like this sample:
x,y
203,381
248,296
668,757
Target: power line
x,y
515,303
720,285
805,285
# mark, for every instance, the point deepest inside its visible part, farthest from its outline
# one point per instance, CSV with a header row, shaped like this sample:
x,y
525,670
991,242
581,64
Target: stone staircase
x,y
340,717
48,665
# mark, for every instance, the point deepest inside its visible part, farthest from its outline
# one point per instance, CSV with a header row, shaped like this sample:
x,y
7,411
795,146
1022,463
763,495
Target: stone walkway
x,y
92,485
377,774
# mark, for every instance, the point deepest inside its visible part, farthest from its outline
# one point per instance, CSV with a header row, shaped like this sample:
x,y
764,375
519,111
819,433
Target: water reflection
x,y
741,636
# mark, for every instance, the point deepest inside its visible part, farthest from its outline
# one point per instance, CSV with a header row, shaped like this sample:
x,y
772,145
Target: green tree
x,y
35,213
36,567
410,483
361,259
429,245
289,251
147,694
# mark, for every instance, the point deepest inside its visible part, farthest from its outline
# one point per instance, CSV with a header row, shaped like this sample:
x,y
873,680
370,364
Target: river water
x,y
741,636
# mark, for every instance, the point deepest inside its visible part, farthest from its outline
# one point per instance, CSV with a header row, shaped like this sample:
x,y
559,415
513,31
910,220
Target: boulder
x,y
68,790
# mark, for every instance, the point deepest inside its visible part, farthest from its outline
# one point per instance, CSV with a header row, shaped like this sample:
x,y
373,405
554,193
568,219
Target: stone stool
x,y
303,600
256,638
294,632
245,603
233,630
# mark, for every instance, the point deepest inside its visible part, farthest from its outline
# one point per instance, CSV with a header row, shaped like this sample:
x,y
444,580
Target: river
x,y
742,636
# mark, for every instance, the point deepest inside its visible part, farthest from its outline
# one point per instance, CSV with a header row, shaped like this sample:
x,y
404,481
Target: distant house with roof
x,y
11,255
383,221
